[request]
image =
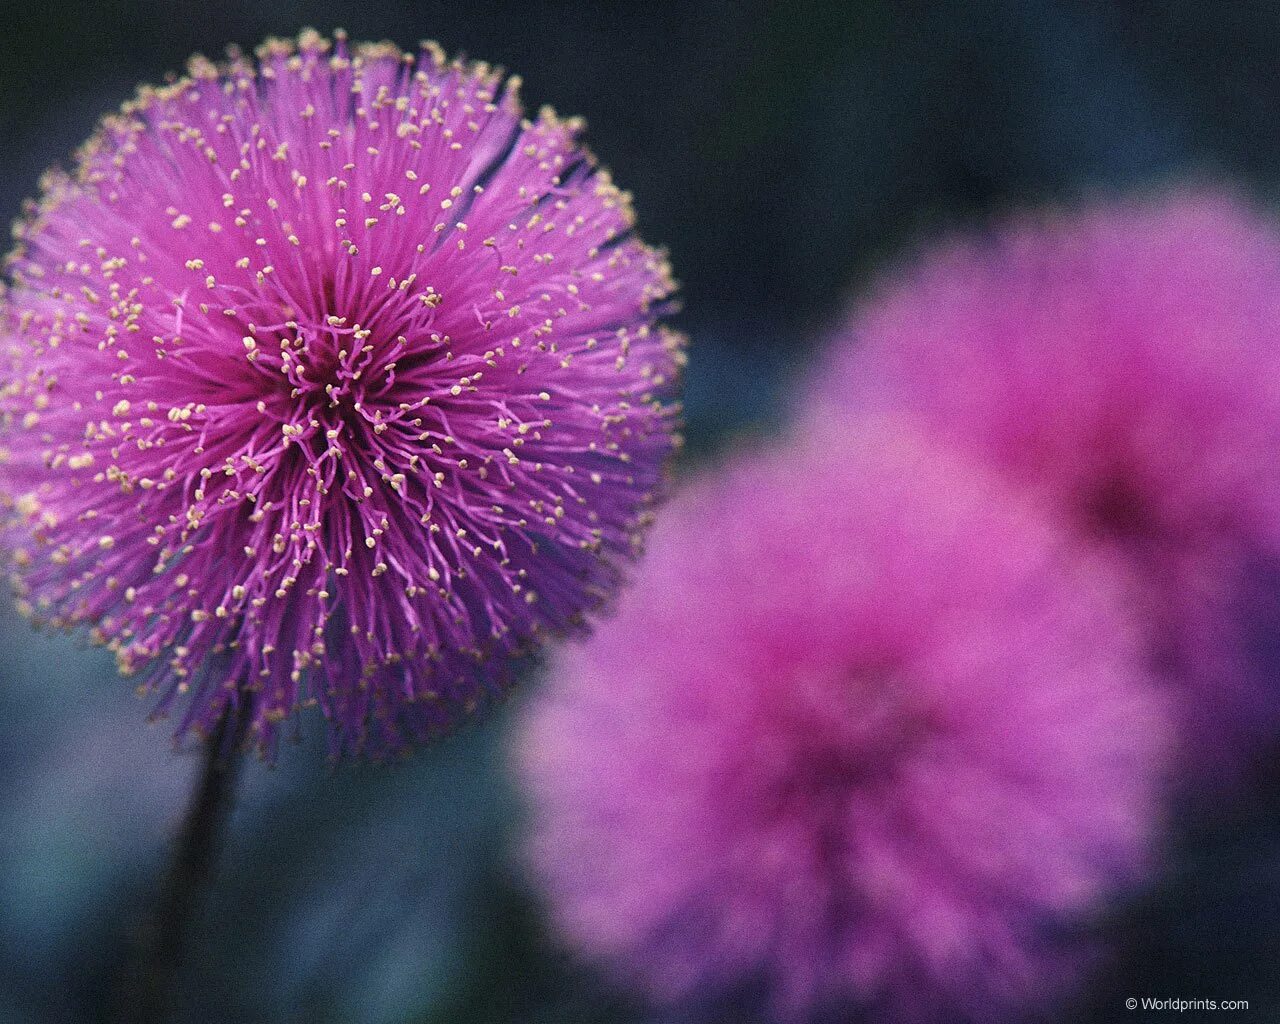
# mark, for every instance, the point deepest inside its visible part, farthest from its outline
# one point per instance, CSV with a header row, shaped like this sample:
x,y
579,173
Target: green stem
x,y
149,994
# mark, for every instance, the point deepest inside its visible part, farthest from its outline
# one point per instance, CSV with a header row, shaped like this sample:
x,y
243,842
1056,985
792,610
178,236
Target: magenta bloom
x,y
333,381
866,732
1123,363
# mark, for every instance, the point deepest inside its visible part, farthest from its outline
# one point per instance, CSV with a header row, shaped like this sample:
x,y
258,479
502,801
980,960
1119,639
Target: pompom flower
x,y
865,733
333,380
1123,363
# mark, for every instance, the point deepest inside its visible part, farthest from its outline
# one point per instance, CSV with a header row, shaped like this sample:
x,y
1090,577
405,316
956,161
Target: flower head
x,y
332,380
866,731
1123,363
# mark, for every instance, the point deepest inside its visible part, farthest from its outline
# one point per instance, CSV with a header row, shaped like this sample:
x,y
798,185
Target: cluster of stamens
x,y
332,380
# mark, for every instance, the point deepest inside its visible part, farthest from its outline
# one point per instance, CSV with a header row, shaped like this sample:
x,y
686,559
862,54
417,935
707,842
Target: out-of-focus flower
x,y
867,731
1123,363
331,380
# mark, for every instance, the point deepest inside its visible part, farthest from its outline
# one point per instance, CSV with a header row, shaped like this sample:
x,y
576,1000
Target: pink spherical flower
x,y
866,733
1123,363
333,380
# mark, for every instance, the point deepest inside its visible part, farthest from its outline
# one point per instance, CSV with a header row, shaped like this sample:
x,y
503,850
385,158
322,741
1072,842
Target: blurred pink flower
x,y
1123,363
867,731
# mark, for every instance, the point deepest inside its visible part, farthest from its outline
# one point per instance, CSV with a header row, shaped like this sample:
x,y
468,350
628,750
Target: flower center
x,y
1117,509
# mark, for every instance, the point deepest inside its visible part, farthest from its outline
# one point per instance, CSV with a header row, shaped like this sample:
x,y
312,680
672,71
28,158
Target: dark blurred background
x,y
782,152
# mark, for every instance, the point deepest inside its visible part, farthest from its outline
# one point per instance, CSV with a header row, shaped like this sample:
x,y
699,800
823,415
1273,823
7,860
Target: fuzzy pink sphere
x,y
330,378
866,732
1123,363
